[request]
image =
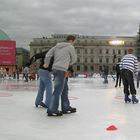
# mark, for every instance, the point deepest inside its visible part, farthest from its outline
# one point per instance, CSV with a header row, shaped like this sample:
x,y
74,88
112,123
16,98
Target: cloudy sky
x,y
24,20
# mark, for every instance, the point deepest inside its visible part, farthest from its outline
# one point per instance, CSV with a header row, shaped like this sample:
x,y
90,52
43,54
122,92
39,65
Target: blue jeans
x,y
65,103
60,90
44,86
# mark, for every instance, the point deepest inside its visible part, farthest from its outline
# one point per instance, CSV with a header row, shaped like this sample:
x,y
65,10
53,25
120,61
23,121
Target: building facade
x,y
93,51
22,58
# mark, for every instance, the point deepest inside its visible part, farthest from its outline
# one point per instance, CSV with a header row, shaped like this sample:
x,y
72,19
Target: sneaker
x,y
41,104
59,113
70,110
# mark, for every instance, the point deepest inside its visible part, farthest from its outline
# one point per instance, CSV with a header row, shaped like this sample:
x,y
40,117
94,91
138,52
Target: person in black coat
x,y
118,75
45,84
105,74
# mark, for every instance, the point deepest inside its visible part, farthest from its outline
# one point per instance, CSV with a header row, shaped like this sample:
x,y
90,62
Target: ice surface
x,y
98,106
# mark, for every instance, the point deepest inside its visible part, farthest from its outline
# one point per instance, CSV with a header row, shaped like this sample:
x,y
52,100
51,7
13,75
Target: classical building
x,y
93,51
22,57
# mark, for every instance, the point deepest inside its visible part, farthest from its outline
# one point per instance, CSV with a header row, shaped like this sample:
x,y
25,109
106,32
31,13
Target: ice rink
x,y
101,113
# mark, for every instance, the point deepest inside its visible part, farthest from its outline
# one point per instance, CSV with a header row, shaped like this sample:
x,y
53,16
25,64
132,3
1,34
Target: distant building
x,y
22,57
93,51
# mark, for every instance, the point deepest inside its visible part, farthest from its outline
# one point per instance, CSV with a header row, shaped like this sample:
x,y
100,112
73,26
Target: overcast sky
x,y
24,20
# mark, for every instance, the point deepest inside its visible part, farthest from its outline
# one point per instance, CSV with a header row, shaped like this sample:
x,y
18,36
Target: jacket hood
x,y
62,45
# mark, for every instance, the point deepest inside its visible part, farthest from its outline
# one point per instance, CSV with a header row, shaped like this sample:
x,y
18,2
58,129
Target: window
x,y
91,60
91,67
107,51
113,60
85,68
107,60
119,51
113,51
100,60
78,51
85,41
125,52
78,68
78,59
91,51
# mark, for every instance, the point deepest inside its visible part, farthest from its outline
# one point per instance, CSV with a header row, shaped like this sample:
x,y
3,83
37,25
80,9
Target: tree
x,y
138,43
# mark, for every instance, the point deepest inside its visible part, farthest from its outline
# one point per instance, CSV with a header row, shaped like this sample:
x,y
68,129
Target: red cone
x,y
111,128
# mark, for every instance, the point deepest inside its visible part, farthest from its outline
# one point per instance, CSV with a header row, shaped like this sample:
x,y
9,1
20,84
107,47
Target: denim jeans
x,y
44,86
60,90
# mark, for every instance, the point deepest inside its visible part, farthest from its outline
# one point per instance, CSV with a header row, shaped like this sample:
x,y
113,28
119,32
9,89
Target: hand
x,y
66,74
45,65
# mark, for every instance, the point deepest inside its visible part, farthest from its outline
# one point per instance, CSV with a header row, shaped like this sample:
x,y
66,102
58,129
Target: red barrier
x,y
7,53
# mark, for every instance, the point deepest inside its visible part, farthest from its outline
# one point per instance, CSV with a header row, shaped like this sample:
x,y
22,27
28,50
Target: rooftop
x,y
4,36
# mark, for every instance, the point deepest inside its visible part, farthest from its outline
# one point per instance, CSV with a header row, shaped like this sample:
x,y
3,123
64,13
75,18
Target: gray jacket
x,y
64,55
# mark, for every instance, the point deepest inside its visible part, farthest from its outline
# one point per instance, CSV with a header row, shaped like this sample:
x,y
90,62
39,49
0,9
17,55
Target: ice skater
x,y
45,83
64,55
105,74
128,67
118,74
26,71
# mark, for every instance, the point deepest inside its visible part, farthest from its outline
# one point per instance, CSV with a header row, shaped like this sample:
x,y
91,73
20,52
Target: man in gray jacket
x,y
64,56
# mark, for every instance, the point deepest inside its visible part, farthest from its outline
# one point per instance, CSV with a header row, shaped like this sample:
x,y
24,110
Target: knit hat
x,y
130,50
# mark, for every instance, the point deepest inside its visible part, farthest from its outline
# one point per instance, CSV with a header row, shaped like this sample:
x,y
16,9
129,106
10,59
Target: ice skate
x,y
127,99
134,99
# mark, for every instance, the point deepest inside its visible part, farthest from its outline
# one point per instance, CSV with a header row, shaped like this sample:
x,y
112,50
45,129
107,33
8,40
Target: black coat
x,y
118,68
41,56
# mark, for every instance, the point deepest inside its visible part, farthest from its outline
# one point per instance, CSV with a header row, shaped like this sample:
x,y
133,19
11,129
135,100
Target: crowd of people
x,y
58,61
64,56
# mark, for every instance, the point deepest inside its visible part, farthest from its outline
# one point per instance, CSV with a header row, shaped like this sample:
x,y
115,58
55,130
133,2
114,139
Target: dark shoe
x,y
70,110
134,99
127,99
115,85
106,81
41,104
59,113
